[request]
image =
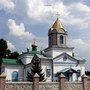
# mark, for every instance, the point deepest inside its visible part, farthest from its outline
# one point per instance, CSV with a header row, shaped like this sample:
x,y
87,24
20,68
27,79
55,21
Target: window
x,y
2,68
15,76
48,72
50,40
78,73
61,39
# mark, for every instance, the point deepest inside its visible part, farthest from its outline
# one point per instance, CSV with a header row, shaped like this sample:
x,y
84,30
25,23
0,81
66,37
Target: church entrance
x,y
70,74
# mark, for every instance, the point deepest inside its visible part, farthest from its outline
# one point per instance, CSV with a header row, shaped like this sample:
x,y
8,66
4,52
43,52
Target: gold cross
x,y
58,14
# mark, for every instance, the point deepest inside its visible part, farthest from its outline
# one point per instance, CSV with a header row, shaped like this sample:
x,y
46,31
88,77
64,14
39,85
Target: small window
x,y
15,76
49,39
78,73
61,39
48,72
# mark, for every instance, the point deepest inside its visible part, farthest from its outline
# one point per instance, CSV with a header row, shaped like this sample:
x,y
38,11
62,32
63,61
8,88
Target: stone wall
x,y
49,86
36,85
18,86
88,85
29,86
73,86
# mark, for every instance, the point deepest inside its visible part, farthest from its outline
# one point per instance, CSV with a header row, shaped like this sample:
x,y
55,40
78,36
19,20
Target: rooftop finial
x,y
34,41
58,14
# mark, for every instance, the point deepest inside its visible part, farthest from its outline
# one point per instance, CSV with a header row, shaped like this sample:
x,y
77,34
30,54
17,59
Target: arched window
x,y
50,41
61,39
15,76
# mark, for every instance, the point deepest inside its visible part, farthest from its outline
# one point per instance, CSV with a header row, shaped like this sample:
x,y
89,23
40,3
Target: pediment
x,y
65,58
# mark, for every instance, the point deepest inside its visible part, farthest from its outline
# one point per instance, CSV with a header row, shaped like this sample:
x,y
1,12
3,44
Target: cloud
x,y
69,2
78,15
42,12
81,45
7,4
18,30
69,14
37,10
11,46
82,49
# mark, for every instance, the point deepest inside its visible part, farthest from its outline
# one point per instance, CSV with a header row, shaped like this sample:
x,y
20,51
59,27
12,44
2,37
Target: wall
x,y
18,86
36,85
46,64
53,52
26,58
60,51
73,86
88,85
9,70
49,86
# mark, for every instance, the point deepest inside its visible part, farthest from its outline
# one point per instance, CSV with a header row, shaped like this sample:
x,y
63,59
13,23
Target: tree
x,y
14,55
3,48
36,68
4,51
87,73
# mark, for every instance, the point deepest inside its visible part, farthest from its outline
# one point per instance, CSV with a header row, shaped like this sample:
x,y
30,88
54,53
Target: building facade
x,y
57,58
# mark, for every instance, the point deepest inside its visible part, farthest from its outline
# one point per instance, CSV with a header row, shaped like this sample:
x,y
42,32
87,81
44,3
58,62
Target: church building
x,y
57,58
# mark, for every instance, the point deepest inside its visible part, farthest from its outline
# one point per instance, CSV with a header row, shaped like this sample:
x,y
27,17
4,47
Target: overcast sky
x,y
21,21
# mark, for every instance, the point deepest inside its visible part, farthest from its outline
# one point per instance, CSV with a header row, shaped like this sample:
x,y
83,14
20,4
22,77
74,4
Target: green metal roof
x,y
11,61
32,53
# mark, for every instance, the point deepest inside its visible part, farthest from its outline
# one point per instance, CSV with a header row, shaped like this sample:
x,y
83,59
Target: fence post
x,y
62,82
2,81
36,82
84,82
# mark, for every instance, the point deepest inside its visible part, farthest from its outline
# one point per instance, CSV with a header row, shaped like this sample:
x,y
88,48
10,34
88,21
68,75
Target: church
x,y
57,58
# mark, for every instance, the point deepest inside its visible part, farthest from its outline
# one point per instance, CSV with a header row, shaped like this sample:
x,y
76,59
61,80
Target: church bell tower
x,y
57,36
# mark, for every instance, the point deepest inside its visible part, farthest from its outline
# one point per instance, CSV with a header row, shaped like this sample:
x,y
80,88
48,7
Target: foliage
x,y
36,68
14,55
3,48
4,51
87,72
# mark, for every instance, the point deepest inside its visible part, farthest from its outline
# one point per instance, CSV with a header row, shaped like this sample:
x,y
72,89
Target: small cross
x,y
34,41
57,14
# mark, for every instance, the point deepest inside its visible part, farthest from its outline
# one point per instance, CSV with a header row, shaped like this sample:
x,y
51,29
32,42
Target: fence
x,y
36,85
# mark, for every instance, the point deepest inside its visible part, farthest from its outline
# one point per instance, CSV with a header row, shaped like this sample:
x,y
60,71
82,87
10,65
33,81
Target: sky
x,y
23,21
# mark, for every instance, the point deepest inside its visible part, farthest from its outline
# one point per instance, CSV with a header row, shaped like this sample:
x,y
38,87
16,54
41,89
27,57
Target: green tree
x,y
36,68
4,51
14,55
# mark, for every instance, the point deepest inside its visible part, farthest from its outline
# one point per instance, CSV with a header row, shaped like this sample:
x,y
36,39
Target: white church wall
x,y
47,66
26,59
10,69
74,77
49,53
26,69
58,68
58,52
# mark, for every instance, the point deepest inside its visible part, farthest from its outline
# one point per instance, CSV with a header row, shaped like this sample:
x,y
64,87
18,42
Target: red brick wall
x,y
2,82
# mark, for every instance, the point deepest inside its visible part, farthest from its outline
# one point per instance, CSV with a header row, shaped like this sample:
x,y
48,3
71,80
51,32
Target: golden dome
x,y
57,24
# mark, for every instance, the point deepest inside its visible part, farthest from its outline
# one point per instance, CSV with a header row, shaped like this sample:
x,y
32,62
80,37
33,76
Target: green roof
x,y
32,53
11,61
